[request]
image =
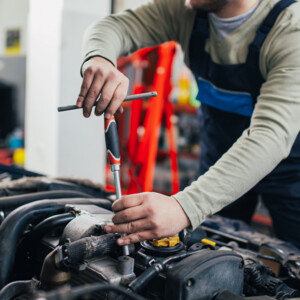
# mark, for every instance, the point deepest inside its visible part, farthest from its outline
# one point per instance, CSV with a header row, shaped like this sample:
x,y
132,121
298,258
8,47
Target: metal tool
x,y
114,158
112,144
128,98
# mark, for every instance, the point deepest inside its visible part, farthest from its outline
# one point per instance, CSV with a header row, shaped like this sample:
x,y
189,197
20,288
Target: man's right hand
x,y
101,76
147,216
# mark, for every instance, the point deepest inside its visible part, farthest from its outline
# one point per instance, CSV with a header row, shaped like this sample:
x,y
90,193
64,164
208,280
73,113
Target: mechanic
x,y
245,55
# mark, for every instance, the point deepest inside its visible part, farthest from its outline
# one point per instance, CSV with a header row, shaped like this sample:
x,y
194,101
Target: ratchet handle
x,y
112,141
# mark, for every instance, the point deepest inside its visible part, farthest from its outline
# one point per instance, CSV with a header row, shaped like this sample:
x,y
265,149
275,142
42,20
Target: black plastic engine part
x,y
160,265
16,288
259,280
26,251
227,295
203,275
190,238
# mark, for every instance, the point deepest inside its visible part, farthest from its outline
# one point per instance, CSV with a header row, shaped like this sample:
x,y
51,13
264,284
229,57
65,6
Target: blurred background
x,y
40,58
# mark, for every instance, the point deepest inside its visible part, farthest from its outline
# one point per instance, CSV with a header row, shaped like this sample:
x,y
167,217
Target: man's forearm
x,y
244,165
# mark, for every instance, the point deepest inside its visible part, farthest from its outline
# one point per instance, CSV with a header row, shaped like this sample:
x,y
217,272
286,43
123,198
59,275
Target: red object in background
x,y
6,157
141,148
147,149
263,220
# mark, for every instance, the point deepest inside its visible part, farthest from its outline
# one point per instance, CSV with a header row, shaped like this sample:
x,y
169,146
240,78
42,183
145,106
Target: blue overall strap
x,y
264,29
197,41
201,25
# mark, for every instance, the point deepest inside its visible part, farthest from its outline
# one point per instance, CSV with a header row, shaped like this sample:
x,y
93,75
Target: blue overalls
x,y
228,94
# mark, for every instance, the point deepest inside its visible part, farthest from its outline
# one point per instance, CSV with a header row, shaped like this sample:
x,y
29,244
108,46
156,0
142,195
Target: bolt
x,y
190,282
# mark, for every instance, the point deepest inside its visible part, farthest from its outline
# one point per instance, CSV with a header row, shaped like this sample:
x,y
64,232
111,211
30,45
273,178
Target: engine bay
x,y
53,246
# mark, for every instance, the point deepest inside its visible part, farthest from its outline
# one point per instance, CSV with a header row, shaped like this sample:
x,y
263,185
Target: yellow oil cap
x,y
166,242
208,242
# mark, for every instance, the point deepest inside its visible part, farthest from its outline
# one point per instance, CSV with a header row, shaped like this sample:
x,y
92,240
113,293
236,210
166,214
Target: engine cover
x,y
203,275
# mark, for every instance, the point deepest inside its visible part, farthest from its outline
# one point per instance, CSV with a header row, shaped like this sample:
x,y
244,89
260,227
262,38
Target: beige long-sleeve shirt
x,y
276,119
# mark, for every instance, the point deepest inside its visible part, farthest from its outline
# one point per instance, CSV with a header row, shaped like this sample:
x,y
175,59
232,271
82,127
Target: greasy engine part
x,y
104,268
56,266
201,275
15,224
89,247
109,268
86,224
38,184
53,276
287,256
205,273
261,280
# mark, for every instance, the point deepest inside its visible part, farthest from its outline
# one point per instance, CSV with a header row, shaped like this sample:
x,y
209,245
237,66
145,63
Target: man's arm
x,y
117,35
274,127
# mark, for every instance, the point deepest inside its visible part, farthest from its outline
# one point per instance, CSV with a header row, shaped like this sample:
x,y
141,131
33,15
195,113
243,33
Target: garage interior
x,y
58,181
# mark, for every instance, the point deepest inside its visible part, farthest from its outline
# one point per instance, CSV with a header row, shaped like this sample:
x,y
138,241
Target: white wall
x,y
82,152
43,85
63,144
13,14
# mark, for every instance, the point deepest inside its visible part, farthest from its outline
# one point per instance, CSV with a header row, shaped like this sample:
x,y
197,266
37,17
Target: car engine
x,y
53,246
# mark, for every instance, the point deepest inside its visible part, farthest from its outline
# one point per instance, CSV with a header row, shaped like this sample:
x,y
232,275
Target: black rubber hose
x,y
50,223
80,291
85,290
16,201
91,247
142,280
17,173
16,222
16,288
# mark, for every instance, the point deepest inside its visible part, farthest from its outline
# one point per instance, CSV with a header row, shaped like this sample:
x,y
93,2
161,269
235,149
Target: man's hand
x,y
147,216
100,76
